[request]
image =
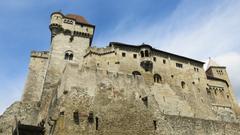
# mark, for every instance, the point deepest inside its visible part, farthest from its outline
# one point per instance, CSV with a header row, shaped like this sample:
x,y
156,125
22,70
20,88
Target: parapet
x,y
40,54
73,25
99,51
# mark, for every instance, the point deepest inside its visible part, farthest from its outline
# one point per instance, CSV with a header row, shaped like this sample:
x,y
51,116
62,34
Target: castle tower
x,y
71,35
217,72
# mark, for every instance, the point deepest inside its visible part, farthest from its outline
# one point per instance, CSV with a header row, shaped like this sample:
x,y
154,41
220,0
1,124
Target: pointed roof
x,y
212,63
78,18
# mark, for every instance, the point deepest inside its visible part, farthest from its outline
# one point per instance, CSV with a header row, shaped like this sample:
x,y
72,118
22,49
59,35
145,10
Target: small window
x,y
183,84
124,54
155,124
146,53
227,96
134,56
142,54
62,113
135,73
96,123
179,65
157,78
76,117
68,55
164,61
196,69
208,91
145,101
90,117
154,59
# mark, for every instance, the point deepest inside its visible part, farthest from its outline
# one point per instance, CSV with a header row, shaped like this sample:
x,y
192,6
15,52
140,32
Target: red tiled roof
x,y
78,18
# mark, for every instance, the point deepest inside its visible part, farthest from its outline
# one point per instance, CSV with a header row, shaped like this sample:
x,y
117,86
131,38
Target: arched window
x,y
157,78
142,54
135,73
183,84
146,53
68,55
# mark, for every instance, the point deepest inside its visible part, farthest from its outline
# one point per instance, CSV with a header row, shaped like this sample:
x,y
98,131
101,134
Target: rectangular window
x,y
154,59
134,56
179,65
196,69
164,61
123,54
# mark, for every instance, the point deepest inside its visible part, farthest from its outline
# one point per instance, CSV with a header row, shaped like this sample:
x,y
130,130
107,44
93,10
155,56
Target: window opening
x,y
146,53
154,59
157,78
76,117
142,54
183,84
123,54
135,73
134,56
96,123
179,65
155,124
90,117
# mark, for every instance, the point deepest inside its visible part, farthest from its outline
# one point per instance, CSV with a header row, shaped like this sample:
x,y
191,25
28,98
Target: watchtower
x,y
71,35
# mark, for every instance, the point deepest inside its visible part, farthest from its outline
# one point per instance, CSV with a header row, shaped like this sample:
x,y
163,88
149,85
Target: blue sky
x,y
194,28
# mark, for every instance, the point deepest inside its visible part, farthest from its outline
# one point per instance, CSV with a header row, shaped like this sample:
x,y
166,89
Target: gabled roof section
x,y
117,44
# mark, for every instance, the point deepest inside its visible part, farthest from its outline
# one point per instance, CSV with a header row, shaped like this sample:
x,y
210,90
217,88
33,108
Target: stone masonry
x,y
122,89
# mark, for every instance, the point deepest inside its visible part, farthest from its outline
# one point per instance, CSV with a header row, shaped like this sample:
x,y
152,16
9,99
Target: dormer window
x,y
68,55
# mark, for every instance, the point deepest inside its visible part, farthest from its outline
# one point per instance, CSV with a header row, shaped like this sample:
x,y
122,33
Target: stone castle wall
x,y
36,76
121,89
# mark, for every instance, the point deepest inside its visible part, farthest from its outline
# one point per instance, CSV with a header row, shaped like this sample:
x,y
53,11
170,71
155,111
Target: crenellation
x,y
40,54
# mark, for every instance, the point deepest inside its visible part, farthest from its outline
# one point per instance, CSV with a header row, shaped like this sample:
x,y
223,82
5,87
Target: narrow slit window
x,y
96,123
155,124
183,84
76,117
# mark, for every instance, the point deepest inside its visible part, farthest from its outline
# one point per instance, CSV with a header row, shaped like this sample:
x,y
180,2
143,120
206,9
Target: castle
x,y
75,88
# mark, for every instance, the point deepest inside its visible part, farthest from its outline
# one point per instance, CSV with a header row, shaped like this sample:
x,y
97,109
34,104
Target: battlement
x,y
40,54
71,24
